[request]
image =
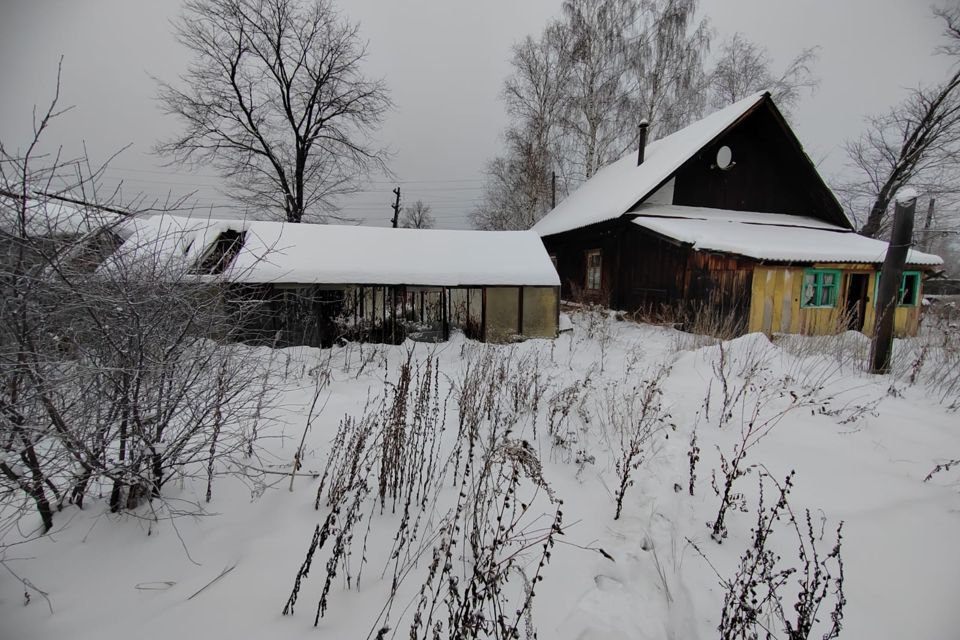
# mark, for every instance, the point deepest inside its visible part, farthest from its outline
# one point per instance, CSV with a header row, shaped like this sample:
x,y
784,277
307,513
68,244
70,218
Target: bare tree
x,y
577,92
915,142
108,377
417,216
596,105
518,189
745,67
276,100
666,66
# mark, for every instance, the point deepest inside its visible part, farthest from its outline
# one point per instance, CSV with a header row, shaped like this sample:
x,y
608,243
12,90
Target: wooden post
x,y
890,277
519,311
925,241
445,313
553,189
393,315
483,315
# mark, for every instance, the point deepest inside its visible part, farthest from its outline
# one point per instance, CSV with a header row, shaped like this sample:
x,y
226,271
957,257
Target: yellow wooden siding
x,y
775,304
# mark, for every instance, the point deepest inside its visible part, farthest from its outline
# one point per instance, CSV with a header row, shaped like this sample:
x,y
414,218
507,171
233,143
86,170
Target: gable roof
x,y
767,236
618,187
278,252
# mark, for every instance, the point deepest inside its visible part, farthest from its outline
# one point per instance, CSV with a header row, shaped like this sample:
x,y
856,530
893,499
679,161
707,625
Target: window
x,y
909,289
909,293
594,264
820,288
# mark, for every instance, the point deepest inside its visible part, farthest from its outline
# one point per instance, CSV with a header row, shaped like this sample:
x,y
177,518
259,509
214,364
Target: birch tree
x,y
745,67
666,64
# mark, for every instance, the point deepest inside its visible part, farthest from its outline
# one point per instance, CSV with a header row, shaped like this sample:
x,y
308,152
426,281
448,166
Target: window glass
x,y
820,288
809,294
594,271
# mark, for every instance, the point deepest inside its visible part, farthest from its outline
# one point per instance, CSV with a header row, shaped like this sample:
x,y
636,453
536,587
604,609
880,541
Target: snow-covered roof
x,y
277,252
615,188
767,236
51,218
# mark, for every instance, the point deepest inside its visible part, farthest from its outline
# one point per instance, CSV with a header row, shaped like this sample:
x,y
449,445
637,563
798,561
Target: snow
x,y
277,252
112,577
617,187
51,218
768,236
905,195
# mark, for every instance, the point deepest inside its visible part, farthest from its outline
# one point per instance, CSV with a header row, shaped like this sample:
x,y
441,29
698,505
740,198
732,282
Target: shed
x,y
312,284
729,220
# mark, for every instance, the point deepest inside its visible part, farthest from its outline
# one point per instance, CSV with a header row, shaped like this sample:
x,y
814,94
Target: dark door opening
x,y
856,302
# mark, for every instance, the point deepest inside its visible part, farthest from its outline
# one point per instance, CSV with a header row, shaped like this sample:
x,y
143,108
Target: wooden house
x,y
311,284
730,218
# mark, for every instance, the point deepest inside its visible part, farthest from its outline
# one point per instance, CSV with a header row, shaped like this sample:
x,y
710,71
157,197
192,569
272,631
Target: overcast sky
x,y
444,62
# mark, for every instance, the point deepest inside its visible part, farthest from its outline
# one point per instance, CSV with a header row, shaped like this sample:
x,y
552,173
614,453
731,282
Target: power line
x,y
216,176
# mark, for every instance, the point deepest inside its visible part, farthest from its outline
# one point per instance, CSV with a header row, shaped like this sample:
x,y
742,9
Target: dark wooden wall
x,y
571,249
647,273
771,174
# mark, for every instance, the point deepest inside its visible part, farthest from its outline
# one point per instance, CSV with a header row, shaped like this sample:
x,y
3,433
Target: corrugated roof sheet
x,y
768,236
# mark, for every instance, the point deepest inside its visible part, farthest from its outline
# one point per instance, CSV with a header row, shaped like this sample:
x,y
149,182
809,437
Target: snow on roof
x,y
51,218
277,252
618,186
767,236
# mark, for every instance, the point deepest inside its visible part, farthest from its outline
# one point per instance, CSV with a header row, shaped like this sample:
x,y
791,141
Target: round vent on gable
x,y
724,157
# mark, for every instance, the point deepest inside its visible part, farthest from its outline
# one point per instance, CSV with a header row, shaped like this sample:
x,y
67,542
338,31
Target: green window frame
x,y
908,295
820,288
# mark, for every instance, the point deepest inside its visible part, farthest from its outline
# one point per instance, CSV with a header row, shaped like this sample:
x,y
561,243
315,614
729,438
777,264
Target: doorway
x,y
856,301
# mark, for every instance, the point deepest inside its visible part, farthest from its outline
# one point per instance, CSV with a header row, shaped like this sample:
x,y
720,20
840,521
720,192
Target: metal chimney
x,y
643,140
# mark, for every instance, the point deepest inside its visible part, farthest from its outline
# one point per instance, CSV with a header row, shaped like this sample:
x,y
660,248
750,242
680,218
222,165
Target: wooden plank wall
x,y
775,305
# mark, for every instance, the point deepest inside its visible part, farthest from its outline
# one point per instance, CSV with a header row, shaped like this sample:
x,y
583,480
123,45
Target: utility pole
x,y
890,277
396,207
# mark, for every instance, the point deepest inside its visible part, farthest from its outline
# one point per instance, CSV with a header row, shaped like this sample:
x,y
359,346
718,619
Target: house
x,y
730,219
311,284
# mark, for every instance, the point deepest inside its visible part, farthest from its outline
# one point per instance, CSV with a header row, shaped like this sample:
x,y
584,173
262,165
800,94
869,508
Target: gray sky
x,y
444,61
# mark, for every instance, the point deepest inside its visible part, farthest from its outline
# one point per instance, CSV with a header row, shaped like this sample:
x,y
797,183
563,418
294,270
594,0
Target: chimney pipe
x,y
643,141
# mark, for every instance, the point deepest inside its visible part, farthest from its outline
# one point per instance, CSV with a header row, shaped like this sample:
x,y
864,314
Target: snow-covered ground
x,y
861,447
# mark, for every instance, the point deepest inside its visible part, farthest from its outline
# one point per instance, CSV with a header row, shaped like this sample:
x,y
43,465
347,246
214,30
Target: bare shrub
x,y
633,417
109,377
759,600
506,514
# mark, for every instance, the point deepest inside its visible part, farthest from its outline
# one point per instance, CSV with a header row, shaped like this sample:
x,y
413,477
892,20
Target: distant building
x,y
311,284
727,218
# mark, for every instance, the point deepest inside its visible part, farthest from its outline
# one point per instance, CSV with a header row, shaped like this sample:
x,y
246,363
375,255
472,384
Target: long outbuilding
x,y
313,284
